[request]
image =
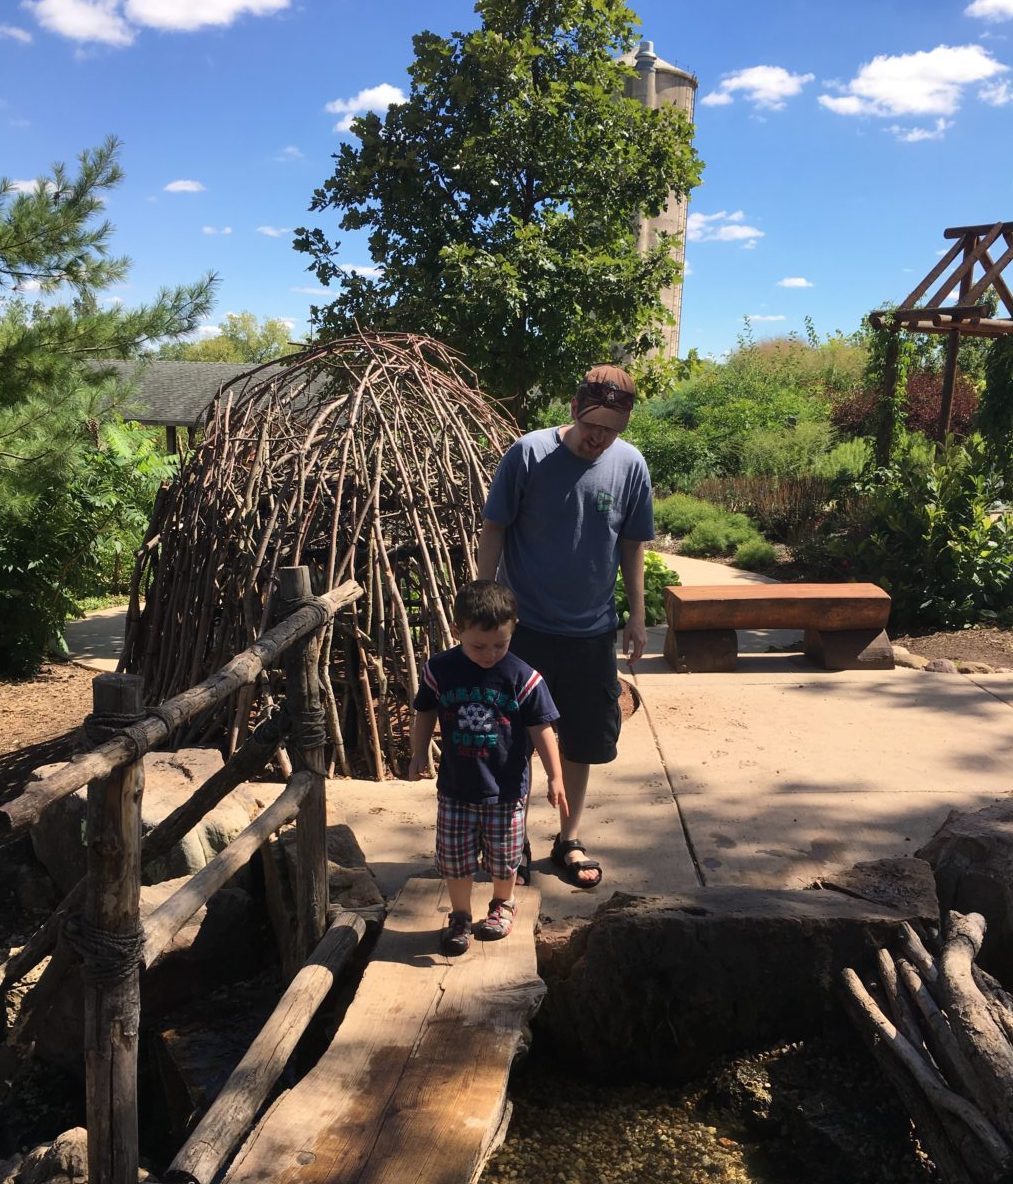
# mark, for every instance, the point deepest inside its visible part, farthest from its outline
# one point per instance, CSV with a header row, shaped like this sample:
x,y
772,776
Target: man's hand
x,y
634,638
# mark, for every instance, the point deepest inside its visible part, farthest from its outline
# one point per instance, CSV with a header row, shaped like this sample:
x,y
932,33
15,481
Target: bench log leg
x,y
701,651
849,649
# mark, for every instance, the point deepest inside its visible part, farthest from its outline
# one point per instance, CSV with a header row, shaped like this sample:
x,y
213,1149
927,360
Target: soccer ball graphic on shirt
x,y
475,717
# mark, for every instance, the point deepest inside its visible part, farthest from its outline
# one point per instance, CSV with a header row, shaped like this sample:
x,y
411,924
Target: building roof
x,y
173,394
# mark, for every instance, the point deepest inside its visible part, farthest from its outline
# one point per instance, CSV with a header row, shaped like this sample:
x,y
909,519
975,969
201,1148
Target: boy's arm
x,y
544,740
423,726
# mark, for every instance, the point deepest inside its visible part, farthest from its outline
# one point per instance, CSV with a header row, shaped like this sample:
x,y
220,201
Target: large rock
x,y
972,856
170,778
655,988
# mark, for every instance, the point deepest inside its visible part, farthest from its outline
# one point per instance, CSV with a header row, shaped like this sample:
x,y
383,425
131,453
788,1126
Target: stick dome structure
x,y
368,458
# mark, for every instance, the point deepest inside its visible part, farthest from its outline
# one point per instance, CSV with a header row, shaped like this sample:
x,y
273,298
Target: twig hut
x,y
367,459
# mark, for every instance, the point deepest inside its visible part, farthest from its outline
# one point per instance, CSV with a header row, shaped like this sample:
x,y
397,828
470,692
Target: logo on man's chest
x,y
604,501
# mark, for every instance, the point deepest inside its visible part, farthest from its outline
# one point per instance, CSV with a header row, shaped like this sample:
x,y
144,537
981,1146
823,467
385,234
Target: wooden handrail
x,y
146,735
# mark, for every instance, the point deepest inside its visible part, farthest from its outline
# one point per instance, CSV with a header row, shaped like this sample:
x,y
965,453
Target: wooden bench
x,y
844,624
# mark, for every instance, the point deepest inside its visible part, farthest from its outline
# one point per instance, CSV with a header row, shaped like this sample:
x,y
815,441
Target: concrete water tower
x,y
657,84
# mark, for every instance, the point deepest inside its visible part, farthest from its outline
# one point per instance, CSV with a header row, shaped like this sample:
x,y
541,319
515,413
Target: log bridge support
x,y
844,624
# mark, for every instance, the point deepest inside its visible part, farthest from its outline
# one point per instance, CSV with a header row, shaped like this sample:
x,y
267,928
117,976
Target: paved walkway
x,y
771,776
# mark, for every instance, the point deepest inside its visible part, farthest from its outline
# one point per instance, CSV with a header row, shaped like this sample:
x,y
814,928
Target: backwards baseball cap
x,y
606,386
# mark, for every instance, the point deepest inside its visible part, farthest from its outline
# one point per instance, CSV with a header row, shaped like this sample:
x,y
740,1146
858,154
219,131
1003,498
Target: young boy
x,y
492,707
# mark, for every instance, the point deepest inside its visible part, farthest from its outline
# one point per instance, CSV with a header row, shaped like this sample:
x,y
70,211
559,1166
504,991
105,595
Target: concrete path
x,y
773,776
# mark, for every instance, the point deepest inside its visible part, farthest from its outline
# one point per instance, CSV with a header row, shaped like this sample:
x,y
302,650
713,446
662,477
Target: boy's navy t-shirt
x,y
484,716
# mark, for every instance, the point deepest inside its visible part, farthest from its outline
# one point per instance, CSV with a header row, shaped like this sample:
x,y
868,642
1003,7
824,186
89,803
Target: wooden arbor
x,y
955,271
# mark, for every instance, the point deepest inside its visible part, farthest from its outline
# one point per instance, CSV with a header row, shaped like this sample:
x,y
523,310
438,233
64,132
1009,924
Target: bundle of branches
x,y
367,459
942,1029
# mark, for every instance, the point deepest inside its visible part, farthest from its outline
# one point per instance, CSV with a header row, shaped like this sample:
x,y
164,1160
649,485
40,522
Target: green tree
x,y
242,339
53,397
501,199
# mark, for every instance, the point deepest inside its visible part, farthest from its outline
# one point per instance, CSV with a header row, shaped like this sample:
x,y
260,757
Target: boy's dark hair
x,y
484,604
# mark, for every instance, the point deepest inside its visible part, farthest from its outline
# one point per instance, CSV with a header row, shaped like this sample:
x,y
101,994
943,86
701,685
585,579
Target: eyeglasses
x,y
604,394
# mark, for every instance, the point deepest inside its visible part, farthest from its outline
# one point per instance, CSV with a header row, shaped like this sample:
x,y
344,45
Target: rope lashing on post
x,y
106,958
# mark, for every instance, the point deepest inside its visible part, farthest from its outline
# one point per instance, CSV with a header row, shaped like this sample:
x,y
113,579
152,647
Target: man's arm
x,y
490,548
631,562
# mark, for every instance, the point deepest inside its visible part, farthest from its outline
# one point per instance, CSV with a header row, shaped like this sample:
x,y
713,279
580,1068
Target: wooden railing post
x,y
108,937
307,748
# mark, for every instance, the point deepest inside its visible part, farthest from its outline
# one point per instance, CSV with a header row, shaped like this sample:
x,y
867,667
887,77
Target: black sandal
x,y
561,848
524,868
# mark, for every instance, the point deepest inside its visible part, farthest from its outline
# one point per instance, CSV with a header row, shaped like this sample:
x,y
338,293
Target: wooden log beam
x,y
165,922
975,251
302,688
983,228
233,1111
108,938
134,742
983,1041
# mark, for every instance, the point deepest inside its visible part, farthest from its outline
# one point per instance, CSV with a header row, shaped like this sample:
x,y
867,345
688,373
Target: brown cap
x,y
611,374
606,386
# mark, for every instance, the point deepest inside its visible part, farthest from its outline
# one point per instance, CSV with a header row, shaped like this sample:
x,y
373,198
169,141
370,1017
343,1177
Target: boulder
x,y
169,780
657,988
64,1161
972,857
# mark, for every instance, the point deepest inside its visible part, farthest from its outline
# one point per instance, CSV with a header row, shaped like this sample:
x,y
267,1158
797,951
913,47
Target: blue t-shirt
x,y
484,716
564,518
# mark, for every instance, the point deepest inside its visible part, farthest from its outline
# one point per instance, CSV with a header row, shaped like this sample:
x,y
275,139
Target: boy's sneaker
x,y
498,922
456,938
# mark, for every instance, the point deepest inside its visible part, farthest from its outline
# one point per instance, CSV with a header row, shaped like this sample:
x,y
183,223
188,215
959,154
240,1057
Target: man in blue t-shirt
x,y
567,508
492,709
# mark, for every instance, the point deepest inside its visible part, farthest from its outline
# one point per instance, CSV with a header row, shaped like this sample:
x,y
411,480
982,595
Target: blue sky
x,y
839,140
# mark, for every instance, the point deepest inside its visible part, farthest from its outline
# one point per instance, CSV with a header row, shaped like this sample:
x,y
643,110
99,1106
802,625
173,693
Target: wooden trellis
x,y
956,272
366,459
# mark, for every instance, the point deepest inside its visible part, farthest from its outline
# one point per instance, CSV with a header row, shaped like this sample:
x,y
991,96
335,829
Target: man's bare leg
x,y
575,779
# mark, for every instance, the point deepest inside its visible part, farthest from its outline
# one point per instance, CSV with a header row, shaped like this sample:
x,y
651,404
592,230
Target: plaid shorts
x,y
463,827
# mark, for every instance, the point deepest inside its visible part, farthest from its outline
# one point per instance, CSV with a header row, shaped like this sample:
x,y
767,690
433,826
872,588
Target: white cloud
x,y
923,83
312,291
289,152
364,269
913,135
184,187
83,20
15,33
373,98
794,281
763,86
28,286
187,15
274,231
216,230
761,317
991,10
996,94
721,227
115,22
208,330
23,186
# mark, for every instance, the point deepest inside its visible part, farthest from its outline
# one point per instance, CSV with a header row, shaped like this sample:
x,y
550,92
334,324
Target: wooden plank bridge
x,y
413,1085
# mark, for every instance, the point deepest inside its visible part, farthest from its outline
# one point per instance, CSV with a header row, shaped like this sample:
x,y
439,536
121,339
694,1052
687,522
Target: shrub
x,y
678,514
657,577
676,457
847,459
922,529
786,452
854,412
755,554
782,508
